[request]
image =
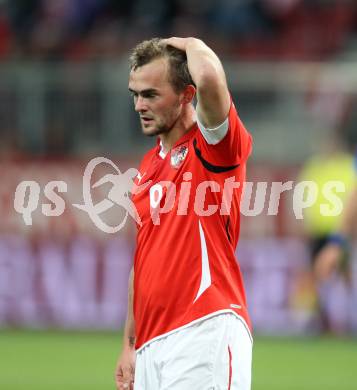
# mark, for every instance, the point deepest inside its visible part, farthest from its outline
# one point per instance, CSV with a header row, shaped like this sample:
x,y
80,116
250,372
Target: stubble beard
x,y
162,128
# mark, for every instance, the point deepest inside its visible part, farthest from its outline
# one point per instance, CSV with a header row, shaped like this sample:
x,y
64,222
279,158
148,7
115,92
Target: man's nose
x,y
140,104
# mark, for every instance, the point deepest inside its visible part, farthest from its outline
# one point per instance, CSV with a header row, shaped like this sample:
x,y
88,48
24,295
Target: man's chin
x,y
153,131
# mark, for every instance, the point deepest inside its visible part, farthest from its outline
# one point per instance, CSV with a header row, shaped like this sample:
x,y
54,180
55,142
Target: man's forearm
x,y
203,64
129,329
206,70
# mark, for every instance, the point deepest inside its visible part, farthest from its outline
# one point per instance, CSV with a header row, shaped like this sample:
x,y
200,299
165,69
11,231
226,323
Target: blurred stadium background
x,y
292,69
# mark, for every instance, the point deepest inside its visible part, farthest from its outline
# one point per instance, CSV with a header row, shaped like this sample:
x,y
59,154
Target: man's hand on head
x,y
178,43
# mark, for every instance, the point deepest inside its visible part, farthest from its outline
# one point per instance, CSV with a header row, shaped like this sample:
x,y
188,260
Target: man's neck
x,y
183,125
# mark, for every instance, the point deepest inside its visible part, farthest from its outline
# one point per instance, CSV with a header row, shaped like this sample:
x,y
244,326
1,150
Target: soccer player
x,y
187,325
334,252
326,240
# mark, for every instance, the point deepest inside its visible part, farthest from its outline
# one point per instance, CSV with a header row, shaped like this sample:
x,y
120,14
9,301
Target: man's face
x,y
158,105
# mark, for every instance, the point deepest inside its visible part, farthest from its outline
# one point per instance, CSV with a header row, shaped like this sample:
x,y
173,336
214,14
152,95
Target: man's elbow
x,y
210,77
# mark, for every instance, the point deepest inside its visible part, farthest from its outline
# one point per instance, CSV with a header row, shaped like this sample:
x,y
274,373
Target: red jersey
x,y
185,267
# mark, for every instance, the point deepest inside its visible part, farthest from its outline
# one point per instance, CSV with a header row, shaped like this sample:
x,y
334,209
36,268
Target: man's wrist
x,y
128,347
128,341
131,341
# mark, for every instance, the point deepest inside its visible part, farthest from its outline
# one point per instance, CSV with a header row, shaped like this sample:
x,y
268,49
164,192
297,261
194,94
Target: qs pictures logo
x,y
27,196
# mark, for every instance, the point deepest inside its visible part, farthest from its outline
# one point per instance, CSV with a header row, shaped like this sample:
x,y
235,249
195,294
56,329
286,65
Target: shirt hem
x,y
194,322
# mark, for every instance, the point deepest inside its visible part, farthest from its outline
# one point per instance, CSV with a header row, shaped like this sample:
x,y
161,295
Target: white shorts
x,y
213,354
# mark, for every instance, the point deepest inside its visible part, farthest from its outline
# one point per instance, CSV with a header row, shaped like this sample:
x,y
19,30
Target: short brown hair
x,y
152,49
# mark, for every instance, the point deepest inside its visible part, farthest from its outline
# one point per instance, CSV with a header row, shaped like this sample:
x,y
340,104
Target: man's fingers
x,y
168,40
124,378
123,384
124,373
128,372
179,43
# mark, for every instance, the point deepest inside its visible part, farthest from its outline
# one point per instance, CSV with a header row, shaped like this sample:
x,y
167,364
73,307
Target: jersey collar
x,y
185,137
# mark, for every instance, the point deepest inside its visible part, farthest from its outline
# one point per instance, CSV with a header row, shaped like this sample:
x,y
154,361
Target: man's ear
x,y
188,94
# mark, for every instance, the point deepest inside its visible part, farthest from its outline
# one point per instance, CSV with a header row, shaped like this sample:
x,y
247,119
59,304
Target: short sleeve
x,y
213,135
235,146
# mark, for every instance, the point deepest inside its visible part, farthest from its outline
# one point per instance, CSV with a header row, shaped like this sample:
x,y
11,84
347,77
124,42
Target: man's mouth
x,y
146,119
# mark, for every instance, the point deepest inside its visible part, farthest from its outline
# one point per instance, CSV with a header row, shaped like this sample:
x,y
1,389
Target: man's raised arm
x,y
213,99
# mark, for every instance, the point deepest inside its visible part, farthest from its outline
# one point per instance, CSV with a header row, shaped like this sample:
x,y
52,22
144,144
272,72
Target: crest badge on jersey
x,y
178,155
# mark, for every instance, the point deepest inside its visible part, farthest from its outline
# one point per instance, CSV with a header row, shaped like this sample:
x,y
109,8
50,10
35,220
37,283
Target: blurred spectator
x,y
333,164
333,254
56,29
242,18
